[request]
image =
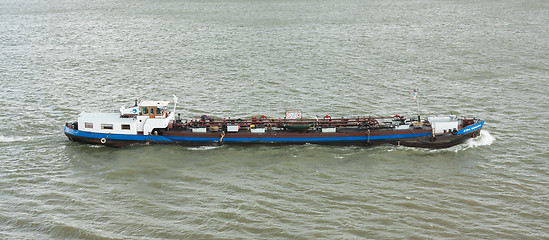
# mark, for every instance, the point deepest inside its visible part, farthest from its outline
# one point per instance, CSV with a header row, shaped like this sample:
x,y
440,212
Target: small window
x,y
145,110
158,111
88,125
106,126
125,126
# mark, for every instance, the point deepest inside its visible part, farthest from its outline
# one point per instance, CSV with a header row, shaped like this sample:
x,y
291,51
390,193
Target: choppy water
x,y
487,59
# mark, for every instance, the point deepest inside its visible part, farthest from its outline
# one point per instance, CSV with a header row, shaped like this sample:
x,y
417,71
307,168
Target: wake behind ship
x,y
151,122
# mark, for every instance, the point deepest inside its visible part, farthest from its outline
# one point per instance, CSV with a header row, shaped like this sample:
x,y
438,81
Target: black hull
x,y
439,141
442,141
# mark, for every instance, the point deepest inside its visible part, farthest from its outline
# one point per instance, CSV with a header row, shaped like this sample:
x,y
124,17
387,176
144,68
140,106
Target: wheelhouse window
x,y
126,127
158,111
144,110
106,126
88,125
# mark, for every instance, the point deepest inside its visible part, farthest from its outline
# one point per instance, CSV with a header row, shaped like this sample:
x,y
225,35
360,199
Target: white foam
x,y
95,146
202,148
485,139
13,138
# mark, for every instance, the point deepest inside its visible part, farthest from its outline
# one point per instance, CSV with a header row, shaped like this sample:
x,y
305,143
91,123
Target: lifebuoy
x,y
103,140
288,115
298,115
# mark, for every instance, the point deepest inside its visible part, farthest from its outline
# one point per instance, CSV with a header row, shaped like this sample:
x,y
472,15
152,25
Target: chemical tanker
x,y
152,122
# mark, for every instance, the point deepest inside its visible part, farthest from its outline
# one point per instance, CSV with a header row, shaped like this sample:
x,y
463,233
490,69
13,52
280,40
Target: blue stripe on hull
x,y
117,136
281,139
323,139
471,128
193,139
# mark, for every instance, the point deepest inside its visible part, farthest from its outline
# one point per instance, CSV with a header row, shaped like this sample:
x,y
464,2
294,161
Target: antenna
x,y
175,103
417,101
414,96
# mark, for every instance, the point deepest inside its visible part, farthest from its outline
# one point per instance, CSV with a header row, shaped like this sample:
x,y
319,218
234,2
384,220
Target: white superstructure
x,y
140,119
442,124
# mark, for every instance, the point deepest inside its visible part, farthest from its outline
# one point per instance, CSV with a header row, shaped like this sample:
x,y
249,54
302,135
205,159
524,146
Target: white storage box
x,y
257,130
440,127
233,128
329,130
443,123
402,127
199,130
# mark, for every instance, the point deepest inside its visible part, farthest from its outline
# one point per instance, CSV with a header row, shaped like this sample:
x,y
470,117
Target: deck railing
x,y
280,122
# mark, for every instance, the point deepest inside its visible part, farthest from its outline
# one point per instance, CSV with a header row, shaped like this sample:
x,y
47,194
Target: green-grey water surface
x,y
486,59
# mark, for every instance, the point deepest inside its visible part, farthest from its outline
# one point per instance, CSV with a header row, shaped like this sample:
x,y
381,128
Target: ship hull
x,y
409,137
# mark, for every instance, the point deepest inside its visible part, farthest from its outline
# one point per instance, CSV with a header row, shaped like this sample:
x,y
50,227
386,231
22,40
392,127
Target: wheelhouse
x,y
153,109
